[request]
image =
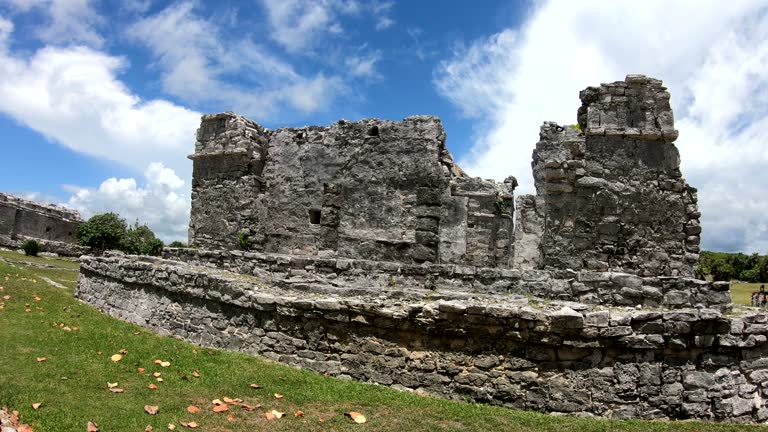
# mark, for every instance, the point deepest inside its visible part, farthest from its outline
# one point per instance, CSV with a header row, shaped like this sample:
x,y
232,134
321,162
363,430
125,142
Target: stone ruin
x,y
54,227
361,250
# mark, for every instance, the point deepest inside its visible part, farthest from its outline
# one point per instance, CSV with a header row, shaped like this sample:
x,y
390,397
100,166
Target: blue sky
x,y
99,100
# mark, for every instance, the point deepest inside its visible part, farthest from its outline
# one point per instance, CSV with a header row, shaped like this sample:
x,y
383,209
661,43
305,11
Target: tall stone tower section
x,y
609,191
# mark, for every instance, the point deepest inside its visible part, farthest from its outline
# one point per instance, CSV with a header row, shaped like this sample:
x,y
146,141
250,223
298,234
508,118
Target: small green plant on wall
x,y
500,205
244,241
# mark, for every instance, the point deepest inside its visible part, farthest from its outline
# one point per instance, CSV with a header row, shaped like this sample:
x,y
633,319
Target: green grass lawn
x,y
71,384
741,293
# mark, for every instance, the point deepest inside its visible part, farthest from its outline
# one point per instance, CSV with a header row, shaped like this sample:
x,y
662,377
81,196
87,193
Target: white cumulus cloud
x,y
162,202
713,56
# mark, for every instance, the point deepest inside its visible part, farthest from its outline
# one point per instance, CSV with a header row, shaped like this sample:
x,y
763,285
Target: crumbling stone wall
x,y
54,226
511,350
609,191
371,189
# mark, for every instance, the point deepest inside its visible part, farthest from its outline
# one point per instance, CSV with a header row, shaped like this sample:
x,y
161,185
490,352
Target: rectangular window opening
x,y
314,216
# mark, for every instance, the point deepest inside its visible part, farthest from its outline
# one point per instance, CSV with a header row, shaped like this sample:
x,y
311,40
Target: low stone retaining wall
x,y
603,288
509,350
59,248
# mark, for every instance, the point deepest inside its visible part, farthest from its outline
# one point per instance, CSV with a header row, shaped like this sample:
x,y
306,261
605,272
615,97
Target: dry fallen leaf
x,y
298,413
151,409
356,416
171,426
193,409
220,408
116,390
36,405
217,402
165,364
232,401
148,428
141,370
230,418
278,396
249,407
159,379
191,425
255,386
24,428
37,298
274,414
92,427
41,359
196,374
152,387
156,374
116,358
158,361
123,351
111,385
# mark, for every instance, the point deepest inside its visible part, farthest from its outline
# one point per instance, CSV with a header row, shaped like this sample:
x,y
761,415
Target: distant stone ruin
x,y
52,226
361,250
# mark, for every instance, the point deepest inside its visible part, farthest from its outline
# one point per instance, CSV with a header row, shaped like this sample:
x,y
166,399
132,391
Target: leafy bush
x,y
102,232
109,231
31,248
244,241
140,240
177,244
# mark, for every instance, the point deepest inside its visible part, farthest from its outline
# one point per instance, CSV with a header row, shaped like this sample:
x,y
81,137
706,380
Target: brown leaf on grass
x,y
191,425
98,353
136,333
24,428
116,358
193,409
356,416
232,401
111,385
123,351
156,374
220,408
274,414
165,364
171,426
6,297
152,386
151,409
230,418
196,373
41,359
149,428
117,390
37,298
27,310
278,396
255,386
249,407
217,402
92,427
158,379
141,370
298,413
158,361
36,406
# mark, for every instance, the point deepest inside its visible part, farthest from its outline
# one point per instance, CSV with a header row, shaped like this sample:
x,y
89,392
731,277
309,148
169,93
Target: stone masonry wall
x,y
349,276
611,193
372,189
54,226
559,357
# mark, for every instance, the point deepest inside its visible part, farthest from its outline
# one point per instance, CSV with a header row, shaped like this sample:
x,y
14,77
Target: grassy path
x,y
39,321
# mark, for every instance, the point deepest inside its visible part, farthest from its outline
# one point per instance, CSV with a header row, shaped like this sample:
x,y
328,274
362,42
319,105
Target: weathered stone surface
x,y
376,258
55,228
557,356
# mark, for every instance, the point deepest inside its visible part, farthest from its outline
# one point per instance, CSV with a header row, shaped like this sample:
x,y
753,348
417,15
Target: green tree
x,y
102,232
140,240
31,248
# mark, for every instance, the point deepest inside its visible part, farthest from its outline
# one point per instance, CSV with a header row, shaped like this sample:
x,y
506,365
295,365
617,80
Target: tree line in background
x,y
723,266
